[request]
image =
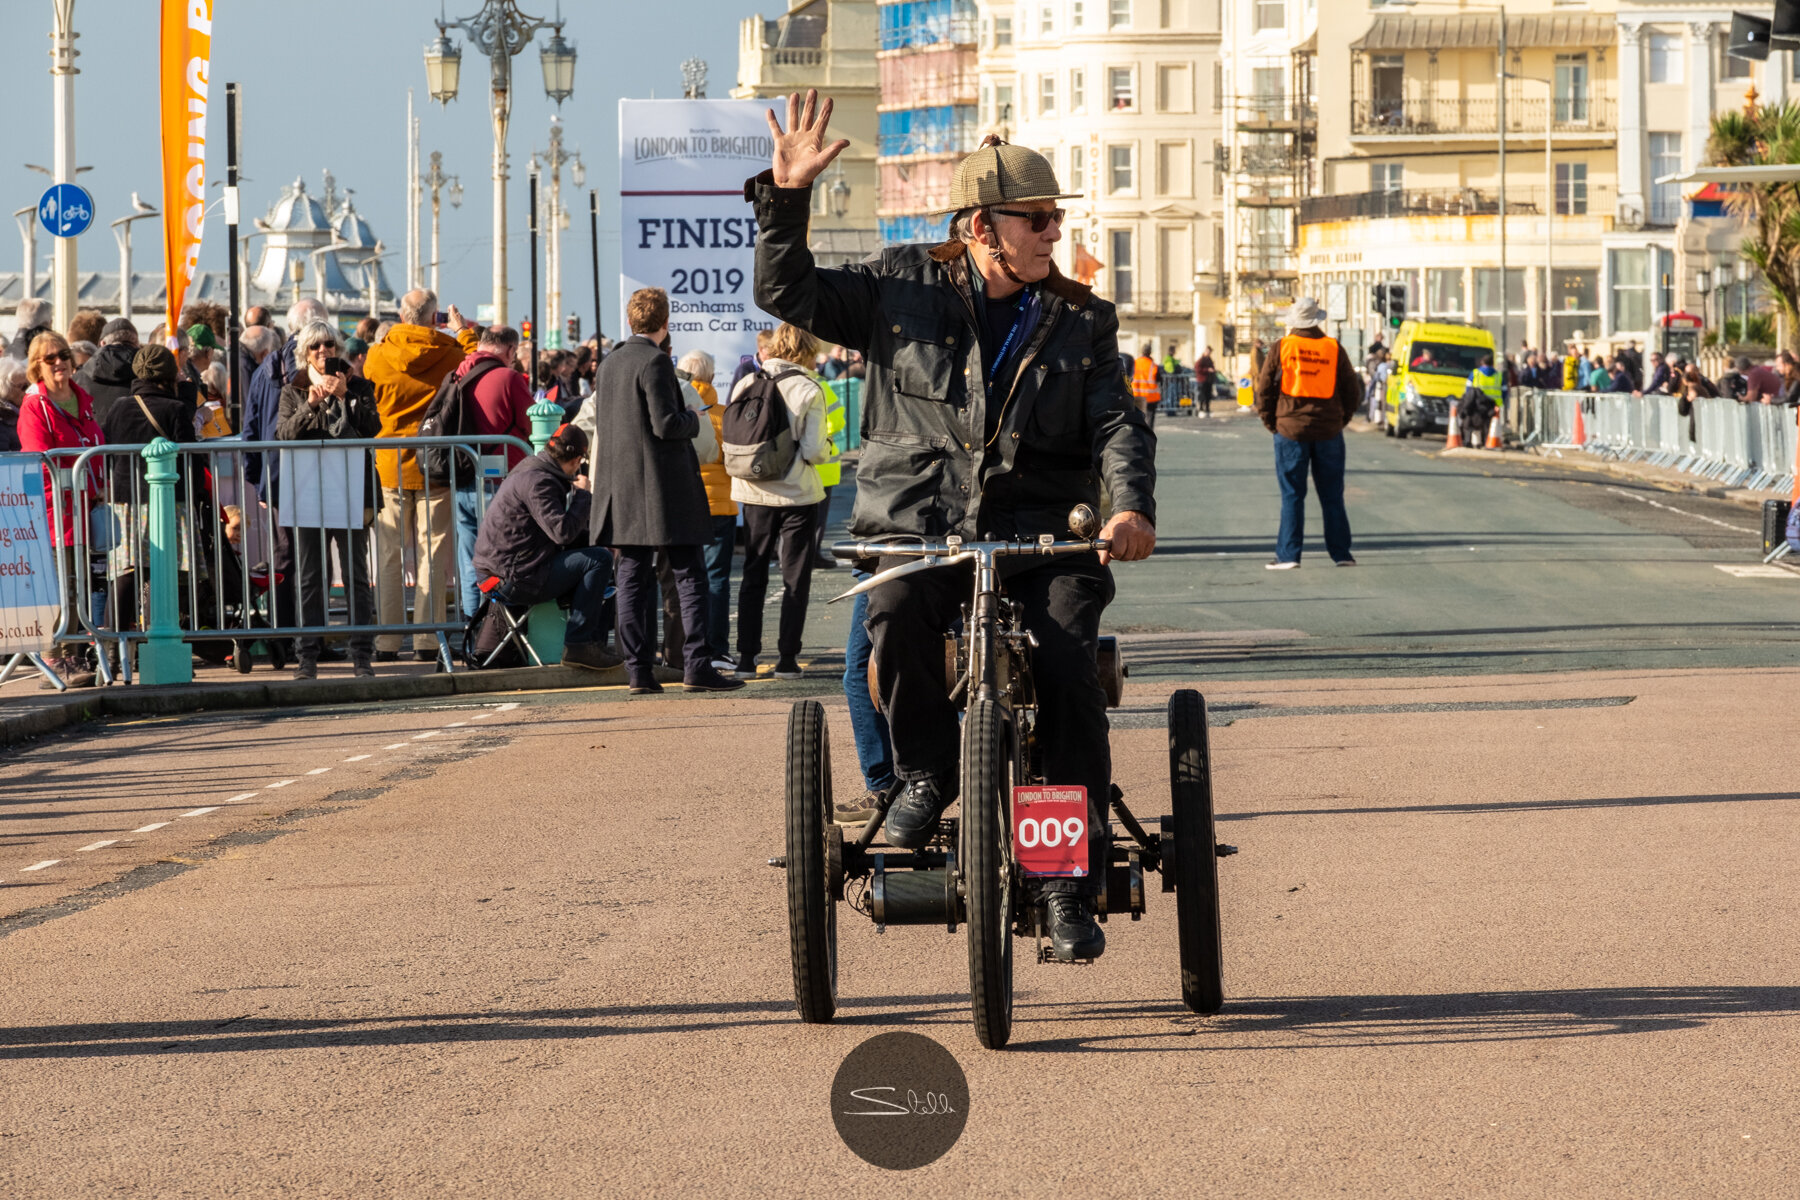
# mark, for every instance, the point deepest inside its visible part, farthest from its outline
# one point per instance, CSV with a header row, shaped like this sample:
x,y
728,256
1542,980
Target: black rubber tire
x,y
812,908
1196,860
1387,429
986,835
240,656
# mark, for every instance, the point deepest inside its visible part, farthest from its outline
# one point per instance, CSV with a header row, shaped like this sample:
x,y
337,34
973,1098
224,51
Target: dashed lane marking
x,y
395,746
48,862
318,770
358,757
1682,511
455,724
241,796
283,783
426,734
98,845
151,828
200,812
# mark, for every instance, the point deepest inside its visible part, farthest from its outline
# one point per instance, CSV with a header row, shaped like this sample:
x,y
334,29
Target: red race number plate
x,y
1050,831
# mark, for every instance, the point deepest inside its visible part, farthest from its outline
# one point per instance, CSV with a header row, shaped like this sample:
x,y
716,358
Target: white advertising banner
x,y
322,488
29,600
684,224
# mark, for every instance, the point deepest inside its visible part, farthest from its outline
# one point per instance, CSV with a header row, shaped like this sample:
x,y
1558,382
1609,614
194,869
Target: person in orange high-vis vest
x,y
1146,386
1306,393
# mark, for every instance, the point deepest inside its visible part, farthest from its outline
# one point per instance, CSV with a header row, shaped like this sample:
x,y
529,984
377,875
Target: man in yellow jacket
x,y
406,368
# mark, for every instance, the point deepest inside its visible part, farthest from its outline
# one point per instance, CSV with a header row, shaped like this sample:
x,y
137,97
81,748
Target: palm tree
x,y
1761,136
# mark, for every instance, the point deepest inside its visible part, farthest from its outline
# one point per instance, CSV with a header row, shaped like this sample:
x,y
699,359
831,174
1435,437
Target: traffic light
x,y
572,334
1228,339
1378,299
1396,305
525,329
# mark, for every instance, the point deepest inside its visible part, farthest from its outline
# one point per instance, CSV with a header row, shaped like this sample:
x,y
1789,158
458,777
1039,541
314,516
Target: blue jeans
x,y
468,525
581,574
718,585
1327,462
874,750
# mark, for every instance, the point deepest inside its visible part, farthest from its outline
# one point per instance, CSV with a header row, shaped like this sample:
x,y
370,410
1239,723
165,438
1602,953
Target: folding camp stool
x,y
515,624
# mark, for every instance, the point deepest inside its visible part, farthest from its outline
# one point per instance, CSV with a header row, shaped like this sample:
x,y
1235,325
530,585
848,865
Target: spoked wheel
x,y
988,868
1196,863
814,863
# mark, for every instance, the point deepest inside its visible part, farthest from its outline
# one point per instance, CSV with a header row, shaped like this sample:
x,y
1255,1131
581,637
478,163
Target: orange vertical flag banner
x,y
186,61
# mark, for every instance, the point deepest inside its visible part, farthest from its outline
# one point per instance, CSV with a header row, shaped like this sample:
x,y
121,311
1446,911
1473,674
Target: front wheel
x,y
812,864
988,868
1196,862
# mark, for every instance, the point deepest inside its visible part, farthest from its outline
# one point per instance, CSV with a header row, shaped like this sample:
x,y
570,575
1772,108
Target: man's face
x,y
1028,254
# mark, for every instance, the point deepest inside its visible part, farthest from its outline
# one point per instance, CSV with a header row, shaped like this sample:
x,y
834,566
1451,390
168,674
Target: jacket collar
x,y
955,256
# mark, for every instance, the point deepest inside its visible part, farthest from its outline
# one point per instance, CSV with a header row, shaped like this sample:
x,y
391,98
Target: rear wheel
x,y
813,843
1196,863
988,868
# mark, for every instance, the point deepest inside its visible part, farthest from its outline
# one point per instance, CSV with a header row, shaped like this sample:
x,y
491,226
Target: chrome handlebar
x,y
950,552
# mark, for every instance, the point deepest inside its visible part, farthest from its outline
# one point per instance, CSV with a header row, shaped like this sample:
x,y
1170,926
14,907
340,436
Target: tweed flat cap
x,y
1001,173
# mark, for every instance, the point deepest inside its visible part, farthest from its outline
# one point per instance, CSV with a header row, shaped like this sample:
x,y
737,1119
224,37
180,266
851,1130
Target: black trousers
x,y
1063,600
784,534
314,562
636,596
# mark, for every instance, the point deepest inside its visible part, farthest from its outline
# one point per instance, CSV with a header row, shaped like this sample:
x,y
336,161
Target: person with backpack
x,y
648,495
533,547
774,435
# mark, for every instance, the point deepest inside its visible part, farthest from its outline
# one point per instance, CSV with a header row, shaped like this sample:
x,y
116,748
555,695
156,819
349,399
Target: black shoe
x,y
1073,931
1346,562
913,819
387,656
425,655
708,680
591,656
826,563
645,686
363,669
306,669
787,668
746,666
334,654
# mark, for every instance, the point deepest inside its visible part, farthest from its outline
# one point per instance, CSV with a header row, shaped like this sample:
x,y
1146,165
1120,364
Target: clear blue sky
x,y
324,86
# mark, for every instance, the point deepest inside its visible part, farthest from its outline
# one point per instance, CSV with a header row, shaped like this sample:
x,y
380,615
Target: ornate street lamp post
x,y
122,234
438,182
556,219
500,31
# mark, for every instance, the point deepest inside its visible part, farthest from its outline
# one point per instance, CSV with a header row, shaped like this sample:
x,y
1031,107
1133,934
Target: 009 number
x,y
703,281
1050,832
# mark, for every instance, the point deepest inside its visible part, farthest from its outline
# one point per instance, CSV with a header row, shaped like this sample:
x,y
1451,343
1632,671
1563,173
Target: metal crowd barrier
x,y
1735,445
159,561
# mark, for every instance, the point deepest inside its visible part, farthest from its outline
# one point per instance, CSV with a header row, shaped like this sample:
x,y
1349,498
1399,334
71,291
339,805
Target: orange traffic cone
x,y
1454,441
1579,436
1493,442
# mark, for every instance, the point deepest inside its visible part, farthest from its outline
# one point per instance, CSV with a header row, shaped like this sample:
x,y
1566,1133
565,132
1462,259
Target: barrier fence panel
x,y
1737,445
254,538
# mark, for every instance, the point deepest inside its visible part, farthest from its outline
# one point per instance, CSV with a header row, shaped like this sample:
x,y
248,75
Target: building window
x,y
1077,15
1118,14
1571,89
1002,31
1175,88
1218,86
1730,65
1120,266
1119,91
1119,176
1445,295
1078,169
1175,168
1631,290
1219,167
1574,306
1046,95
1077,91
1268,14
1665,58
1046,21
1571,189
1003,100
1488,304
1665,198
1386,177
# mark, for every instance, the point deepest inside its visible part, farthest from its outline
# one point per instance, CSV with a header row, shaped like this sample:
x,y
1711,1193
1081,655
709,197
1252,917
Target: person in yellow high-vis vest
x,y
831,472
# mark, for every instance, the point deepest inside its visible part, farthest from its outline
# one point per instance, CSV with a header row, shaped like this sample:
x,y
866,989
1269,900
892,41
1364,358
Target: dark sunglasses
x,y
59,356
1040,221
322,346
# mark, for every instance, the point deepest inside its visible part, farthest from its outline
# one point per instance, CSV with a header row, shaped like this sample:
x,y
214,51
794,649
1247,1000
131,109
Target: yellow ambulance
x,y
1432,364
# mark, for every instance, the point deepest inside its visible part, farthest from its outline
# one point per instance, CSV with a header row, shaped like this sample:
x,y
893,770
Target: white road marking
x,y
395,746
98,845
283,783
454,724
48,862
481,716
507,707
1754,570
240,796
318,770
151,828
426,734
200,812
359,757
1681,511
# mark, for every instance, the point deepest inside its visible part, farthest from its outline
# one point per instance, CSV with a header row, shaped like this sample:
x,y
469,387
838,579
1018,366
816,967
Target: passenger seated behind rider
x,y
533,546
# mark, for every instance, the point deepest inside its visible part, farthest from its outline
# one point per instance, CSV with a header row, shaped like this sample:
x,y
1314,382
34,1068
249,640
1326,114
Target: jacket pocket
x,y
1059,414
925,353
899,484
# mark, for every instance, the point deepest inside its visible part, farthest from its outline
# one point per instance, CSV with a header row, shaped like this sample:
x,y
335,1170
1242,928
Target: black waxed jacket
x,y
1066,426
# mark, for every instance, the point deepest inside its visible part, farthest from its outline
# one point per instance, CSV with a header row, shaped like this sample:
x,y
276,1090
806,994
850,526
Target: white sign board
x,y
684,224
322,489
29,600
1337,301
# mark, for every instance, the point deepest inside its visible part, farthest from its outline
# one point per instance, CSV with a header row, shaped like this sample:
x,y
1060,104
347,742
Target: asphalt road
x,y
1494,930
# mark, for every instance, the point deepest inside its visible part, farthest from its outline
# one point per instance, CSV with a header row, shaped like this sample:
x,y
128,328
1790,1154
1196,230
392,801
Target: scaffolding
x,y
1273,148
927,114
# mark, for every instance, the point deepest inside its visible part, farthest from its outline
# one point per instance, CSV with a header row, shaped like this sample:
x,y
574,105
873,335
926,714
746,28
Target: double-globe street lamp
x,y
439,184
500,31
555,221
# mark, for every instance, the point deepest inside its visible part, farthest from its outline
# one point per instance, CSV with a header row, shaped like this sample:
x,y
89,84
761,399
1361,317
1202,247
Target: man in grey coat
x,y
648,495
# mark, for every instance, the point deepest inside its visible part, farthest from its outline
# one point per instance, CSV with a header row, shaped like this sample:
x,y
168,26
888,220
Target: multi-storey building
x,y
829,45
1123,97
927,113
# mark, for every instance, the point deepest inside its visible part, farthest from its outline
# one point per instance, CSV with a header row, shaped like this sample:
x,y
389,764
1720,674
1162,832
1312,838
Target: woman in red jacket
x,y
56,414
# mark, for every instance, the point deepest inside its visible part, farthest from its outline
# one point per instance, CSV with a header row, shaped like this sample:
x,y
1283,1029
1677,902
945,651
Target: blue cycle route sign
x,y
66,210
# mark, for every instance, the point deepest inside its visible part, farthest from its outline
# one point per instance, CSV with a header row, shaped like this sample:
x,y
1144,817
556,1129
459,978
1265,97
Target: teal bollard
x,y
165,658
545,418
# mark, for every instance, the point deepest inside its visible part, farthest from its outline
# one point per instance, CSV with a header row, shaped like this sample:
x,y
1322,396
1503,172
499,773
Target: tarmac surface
x,y
1493,930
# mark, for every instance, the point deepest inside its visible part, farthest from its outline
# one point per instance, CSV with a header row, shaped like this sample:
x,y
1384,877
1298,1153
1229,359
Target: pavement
x,y
1511,914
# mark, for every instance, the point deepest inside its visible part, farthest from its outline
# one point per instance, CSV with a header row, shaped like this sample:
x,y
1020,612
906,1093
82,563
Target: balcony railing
x,y
1455,118
1583,200
1179,303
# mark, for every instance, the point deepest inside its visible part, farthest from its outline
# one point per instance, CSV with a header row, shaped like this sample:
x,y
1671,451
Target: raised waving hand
x,y
801,154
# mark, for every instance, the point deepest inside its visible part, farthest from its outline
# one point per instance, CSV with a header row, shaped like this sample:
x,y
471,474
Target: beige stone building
x,y
829,45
